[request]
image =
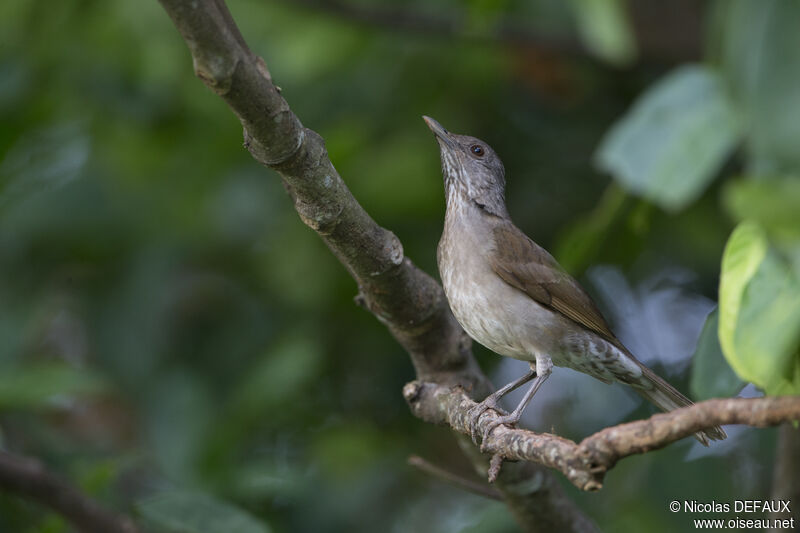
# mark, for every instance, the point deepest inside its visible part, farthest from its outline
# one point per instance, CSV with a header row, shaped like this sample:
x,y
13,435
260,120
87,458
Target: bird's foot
x,y
508,420
476,412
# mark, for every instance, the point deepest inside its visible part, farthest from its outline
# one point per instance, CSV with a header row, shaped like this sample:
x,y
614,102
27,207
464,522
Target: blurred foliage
x,y
42,385
195,513
757,49
712,376
604,27
760,312
171,334
673,142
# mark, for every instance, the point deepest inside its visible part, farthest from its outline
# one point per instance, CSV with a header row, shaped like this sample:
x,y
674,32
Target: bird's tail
x,y
666,397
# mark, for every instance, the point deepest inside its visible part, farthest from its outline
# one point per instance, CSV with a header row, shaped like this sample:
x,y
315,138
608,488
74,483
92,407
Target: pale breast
x,y
490,311
508,321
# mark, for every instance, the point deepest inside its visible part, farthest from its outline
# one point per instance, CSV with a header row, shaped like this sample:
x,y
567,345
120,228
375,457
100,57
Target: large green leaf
x,y
671,143
759,320
712,376
186,512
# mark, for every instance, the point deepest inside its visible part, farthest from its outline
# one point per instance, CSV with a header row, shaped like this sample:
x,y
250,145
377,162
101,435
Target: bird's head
x,y
472,171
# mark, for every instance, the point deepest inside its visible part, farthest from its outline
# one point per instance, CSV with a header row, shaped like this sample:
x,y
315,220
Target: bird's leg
x,y
544,367
491,401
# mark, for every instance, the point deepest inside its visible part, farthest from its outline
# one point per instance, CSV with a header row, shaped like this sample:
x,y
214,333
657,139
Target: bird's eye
x,y
477,149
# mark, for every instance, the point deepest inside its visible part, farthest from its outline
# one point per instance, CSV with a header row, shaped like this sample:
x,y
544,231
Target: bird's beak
x,y
441,134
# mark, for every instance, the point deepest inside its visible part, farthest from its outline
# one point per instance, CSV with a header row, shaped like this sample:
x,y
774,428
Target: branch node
x,y
592,486
261,66
360,300
321,219
265,156
393,250
411,391
216,71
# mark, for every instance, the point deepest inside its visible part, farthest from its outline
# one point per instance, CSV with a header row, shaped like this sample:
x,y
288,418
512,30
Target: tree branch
x,y
30,479
586,463
407,300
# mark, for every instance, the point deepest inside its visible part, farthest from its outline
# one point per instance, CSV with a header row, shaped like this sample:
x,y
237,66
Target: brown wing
x,y
523,264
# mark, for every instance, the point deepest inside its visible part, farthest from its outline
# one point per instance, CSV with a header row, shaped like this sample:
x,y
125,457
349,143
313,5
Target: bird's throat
x,y
461,198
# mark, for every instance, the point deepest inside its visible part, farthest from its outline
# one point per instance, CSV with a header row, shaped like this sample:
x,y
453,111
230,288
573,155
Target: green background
x,y
173,338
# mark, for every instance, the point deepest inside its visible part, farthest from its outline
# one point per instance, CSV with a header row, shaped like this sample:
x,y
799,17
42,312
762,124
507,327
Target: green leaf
x,y
605,30
758,48
186,512
773,203
759,320
42,384
670,145
712,376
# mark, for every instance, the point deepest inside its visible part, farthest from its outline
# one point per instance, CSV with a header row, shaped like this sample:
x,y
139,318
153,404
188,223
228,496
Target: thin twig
x,y
454,479
586,463
30,479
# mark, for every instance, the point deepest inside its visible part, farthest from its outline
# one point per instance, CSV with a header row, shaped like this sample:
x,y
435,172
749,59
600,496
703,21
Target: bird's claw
x,y
475,415
507,420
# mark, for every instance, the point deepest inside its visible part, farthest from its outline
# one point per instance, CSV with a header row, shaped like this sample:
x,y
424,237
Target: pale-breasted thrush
x,y
510,295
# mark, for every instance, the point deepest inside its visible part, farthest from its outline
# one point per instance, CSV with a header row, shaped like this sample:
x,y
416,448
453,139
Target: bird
x,y
510,295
